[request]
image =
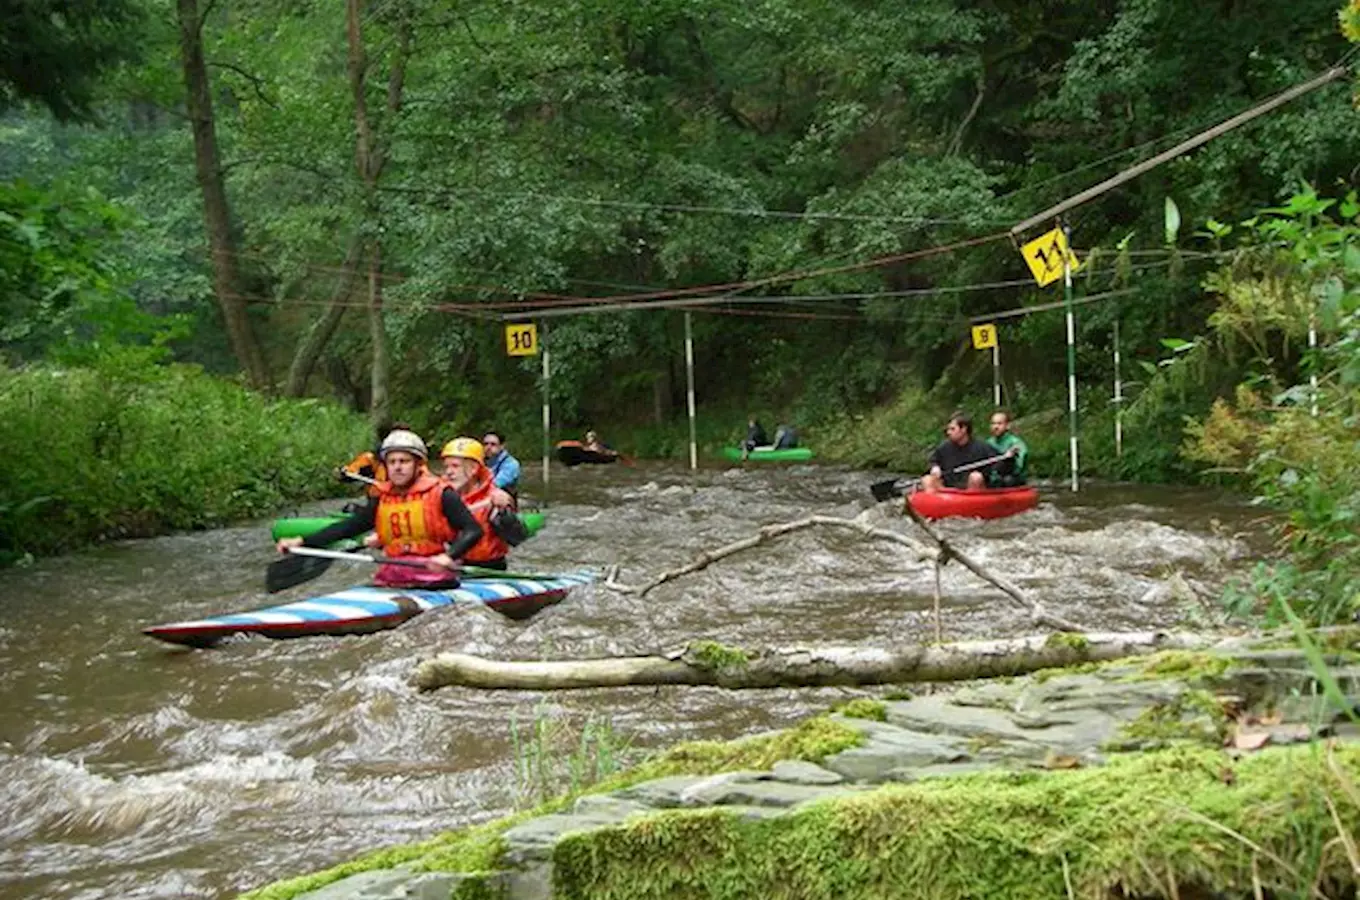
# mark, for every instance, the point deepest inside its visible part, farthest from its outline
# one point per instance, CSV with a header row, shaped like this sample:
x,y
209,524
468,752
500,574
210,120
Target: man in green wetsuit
x,y
1010,472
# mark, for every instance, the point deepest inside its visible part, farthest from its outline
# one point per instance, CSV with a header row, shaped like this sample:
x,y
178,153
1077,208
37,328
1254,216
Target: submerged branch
x,y
945,552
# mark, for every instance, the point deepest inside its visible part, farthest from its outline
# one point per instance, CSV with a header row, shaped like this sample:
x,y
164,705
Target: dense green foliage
x,y
53,51
830,184
592,149
129,449
1294,442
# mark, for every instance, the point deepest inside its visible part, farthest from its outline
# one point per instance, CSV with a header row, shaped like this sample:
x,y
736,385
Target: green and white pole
x,y
1118,397
996,375
1312,354
1071,353
689,376
547,411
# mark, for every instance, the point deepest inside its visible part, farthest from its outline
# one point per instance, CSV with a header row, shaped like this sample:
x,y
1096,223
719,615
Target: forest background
x,y
234,234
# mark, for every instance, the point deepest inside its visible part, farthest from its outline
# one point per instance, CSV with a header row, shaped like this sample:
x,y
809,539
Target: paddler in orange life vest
x,y
415,516
465,469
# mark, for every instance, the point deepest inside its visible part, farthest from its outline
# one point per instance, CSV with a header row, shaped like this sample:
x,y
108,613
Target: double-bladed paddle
x,y
896,487
302,564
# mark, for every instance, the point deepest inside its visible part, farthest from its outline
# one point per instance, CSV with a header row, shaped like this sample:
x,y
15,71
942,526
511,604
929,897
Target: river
x,y
137,770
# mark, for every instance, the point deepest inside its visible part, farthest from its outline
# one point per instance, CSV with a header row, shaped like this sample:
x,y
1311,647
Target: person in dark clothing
x,y
957,449
785,437
755,437
415,516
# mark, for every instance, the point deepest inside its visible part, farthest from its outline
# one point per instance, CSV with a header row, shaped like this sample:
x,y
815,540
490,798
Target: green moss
x,y
898,694
1068,639
864,708
1131,828
1193,716
476,849
1167,664
479,849
715,656
1043,675
1339,639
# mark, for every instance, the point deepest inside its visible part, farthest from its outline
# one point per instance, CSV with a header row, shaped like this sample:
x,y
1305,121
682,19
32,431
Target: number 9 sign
x,y
521,339
984,336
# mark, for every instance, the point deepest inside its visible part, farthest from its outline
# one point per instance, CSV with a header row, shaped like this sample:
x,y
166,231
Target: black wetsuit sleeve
x,y
933,459
352,526
461,520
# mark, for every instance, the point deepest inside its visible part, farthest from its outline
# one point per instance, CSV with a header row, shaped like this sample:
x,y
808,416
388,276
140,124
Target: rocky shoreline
x,y
1008,768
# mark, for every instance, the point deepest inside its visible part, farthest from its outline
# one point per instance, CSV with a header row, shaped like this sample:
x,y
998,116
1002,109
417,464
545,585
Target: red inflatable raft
x,y
992,503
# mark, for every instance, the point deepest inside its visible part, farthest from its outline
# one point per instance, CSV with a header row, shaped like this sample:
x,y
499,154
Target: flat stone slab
x,y
796,771
379,884
938,714
660,793
890,748
720,791
535,838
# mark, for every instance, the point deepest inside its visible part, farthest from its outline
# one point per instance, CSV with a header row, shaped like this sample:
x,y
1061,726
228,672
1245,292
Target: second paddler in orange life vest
x,y
369,468
414,516
465,469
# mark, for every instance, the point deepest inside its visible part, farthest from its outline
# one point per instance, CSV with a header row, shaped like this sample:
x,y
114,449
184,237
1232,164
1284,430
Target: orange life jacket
x,y
476,495
411,522
368,465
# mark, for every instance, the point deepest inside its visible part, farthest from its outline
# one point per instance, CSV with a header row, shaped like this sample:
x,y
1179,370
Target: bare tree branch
x,y
945,552
256,81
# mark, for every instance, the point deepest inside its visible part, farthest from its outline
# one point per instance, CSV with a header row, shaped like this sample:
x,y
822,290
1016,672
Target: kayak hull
x,y
364,609
992,503
302,526
769,454
571,453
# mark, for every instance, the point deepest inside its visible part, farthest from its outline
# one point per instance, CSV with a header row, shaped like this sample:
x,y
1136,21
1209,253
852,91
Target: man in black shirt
x,y
957,449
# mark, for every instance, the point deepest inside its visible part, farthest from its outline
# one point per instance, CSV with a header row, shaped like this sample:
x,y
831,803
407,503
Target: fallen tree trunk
x,y
707,663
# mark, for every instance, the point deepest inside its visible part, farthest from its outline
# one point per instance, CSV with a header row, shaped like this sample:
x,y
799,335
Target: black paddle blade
x,y
886,490
293,570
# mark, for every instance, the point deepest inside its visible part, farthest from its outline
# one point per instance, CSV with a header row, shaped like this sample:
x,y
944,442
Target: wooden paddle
x,y
896,487
302,564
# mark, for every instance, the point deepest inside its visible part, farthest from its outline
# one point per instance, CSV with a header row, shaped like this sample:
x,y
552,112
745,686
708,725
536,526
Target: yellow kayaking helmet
x,y
464,448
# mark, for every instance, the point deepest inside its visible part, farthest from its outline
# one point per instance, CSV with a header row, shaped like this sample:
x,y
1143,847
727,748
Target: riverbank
x,y
135,450
1226,772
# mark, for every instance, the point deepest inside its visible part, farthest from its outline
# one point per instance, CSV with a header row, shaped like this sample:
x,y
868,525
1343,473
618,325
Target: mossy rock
x,y
1191,817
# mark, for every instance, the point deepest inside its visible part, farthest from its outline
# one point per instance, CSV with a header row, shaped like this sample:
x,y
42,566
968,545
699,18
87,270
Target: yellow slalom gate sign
x,y
521,339
1045,255
984,336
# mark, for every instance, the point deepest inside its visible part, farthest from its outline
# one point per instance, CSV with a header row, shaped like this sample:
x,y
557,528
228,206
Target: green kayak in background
x,y
769,454
301,526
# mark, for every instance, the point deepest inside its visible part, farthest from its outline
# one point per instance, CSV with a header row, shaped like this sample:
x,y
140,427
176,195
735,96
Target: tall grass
x,y
552,757
135,450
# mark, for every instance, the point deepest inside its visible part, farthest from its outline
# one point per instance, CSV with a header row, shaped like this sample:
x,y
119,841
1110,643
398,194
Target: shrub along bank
x,y
133,449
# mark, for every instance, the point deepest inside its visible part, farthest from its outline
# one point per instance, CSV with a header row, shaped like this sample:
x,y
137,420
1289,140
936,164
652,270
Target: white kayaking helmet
x,y
405,441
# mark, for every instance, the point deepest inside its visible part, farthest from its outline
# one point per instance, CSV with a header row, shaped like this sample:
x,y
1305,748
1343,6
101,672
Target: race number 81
x,y
521,339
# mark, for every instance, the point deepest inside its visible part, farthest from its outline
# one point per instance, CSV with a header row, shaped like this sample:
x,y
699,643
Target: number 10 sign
x,y
521,339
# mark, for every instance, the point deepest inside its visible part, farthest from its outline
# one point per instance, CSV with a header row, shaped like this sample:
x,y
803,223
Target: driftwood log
x,y
942,553
706,663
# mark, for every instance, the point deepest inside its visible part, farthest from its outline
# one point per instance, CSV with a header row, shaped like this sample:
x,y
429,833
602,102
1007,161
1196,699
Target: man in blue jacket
x,y
504,467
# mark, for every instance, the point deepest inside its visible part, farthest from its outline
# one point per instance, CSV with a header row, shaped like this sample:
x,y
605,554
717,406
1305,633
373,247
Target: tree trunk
x,y
369,158
216,212
380,406
323,329
698,664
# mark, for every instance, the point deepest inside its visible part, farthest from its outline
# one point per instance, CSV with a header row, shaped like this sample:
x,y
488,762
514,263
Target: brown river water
x,y
132,769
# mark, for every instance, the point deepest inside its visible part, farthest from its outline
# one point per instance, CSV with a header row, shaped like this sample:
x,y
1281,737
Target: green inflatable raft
x,y
301,526
769,454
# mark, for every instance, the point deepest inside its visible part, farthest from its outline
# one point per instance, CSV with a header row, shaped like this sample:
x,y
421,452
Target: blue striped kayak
x,y
363,610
